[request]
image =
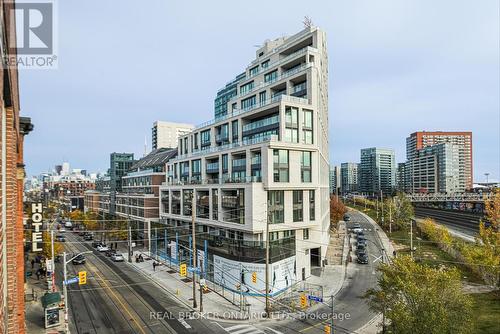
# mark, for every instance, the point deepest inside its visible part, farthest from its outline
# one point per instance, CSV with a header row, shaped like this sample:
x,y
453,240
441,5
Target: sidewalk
x,y
35,322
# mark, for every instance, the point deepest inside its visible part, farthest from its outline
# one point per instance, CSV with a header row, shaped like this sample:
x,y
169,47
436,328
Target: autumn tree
x,y
418,299
484,255
399,210
337,210
47,247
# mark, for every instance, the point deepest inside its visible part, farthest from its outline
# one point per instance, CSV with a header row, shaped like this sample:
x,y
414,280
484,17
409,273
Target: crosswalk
x,y
248,329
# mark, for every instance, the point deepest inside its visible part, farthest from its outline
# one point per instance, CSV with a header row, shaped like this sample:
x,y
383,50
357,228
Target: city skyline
x,y
421,81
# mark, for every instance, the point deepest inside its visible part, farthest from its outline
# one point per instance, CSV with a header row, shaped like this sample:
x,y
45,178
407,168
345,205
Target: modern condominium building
x,y
377,171
166,134
335,180
262,161
417,141
349,172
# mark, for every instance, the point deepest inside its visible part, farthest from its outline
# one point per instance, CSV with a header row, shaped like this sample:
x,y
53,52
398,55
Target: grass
x,y
487,312
486,307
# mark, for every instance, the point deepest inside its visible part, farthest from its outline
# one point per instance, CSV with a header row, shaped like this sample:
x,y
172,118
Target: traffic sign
x,y
71,281
193,269
314,298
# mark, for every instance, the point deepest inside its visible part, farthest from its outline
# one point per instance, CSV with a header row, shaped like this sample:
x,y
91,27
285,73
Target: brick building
x,y
13,128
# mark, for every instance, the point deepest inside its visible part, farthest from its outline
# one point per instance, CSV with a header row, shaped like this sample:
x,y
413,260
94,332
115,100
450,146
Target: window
x,y
254,70
248,103
305,234
291,135
196,141
312,210
265,64
273,236
246,88
205,138
307,127
275,201
291,125
215,204
305,167
262,97
187,202
225,163
280,160
234,130
196,169
271,76
298,206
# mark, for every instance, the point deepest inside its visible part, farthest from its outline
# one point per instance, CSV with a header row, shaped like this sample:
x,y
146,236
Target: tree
x,y
398,209
484,255
419,299
47,247
77,215
337,210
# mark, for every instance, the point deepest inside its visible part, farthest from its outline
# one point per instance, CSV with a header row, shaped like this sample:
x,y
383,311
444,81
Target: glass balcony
x,y
213,167
239,162
261,123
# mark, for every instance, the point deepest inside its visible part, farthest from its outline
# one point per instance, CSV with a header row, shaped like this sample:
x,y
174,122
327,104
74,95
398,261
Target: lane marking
x,y
184,323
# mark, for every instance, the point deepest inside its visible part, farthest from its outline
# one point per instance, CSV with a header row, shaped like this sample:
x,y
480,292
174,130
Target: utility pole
x,y
195,255
331,320
129,232
382,205
267,256
390,218
201,288
411,238
53,260
65,292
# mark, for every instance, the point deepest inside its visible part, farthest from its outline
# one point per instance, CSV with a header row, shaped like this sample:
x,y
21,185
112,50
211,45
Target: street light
x,y
65,291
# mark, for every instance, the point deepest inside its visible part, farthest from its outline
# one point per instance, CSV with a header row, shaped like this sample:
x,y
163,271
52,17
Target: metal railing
x,y
457,197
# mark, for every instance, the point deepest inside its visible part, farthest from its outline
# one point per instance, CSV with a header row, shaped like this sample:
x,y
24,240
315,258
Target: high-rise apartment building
x,y
377,171
349,173
13,128
436,169
262,161
225,94
462,141
166,134
335,181
401,177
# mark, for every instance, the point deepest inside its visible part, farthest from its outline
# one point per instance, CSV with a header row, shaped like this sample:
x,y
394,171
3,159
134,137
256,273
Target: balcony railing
x,y
239,162
259,124
247,179
244,142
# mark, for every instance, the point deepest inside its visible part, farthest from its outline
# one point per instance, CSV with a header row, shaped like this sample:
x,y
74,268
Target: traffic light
x,y
82,277
327,329
303,300
183,270
254,277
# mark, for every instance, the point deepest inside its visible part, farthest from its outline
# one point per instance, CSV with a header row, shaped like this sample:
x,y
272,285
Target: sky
x,y
396,67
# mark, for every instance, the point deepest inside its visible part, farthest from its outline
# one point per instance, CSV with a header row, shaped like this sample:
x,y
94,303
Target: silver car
x,y
117,257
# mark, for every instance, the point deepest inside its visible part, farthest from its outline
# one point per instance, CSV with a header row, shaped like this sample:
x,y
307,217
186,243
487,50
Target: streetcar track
x,y
129,289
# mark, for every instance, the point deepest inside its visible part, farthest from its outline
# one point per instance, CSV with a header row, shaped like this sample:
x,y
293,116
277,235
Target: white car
x,y
62,230
357,229
117,257
102,248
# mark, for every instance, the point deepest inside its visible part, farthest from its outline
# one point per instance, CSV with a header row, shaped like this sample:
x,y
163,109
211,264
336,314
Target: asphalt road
x,y
350,309
118,299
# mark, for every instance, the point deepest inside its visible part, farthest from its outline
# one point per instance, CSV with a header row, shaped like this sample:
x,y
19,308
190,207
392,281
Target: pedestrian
x,y
38,274
154,265
32,263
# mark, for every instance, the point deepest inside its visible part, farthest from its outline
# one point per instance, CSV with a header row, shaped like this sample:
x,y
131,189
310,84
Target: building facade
x,y
335,181
166,134
13,128
261,162
416,145
377,171
349,176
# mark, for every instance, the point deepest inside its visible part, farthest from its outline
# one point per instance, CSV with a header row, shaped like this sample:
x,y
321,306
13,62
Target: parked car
x,y
360,248
102,248
80,259
88,237
110,252
347,218
361,242
362,258
360,233
356,225
62,230
116,257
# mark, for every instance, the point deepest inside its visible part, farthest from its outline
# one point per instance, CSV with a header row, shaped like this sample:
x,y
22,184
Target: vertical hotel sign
x,y
36,223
